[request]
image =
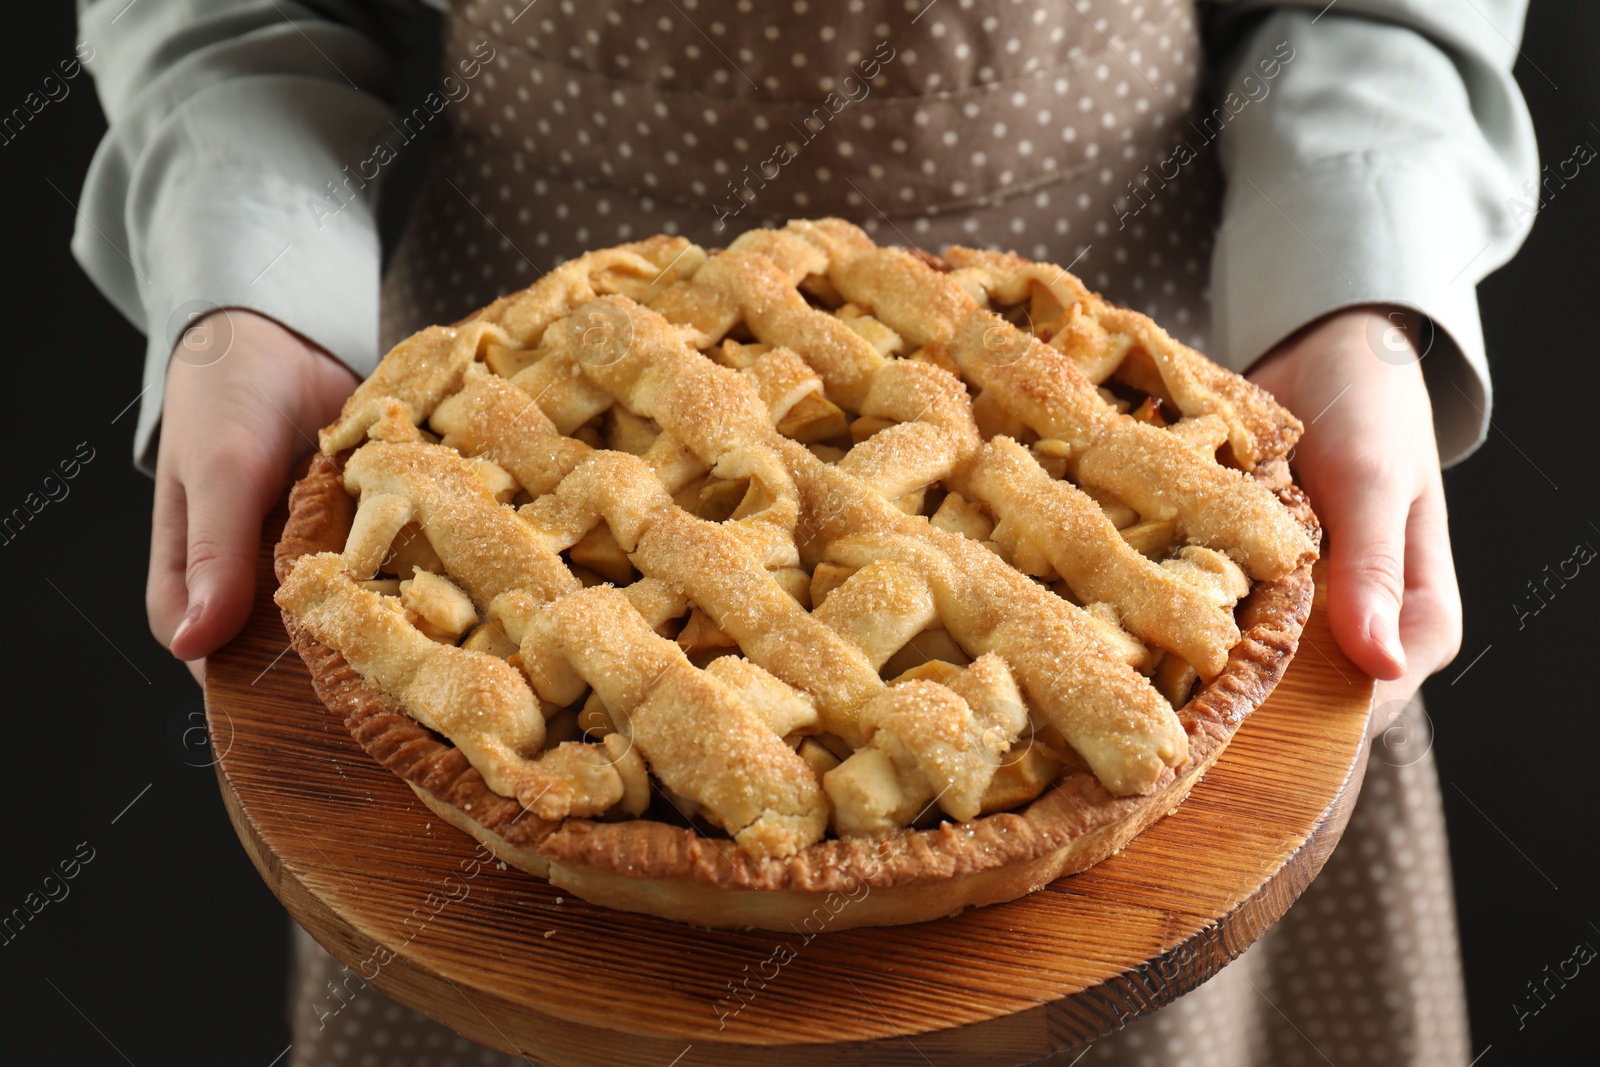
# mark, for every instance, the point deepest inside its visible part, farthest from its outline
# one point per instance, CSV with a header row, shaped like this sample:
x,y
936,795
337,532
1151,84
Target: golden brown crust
x,y
320,515
672,871
617,333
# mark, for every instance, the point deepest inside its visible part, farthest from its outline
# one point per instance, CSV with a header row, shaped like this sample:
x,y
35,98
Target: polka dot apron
x,y
1031,126
1048,127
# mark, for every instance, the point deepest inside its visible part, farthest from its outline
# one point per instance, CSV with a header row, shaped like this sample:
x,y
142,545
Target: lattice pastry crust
x,y
709,584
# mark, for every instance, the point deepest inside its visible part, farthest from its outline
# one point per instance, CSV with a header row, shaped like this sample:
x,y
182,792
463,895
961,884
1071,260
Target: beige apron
x,y
1027,126
1046,127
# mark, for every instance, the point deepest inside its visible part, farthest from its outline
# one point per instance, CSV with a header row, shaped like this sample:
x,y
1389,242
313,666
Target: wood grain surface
x,y
410,903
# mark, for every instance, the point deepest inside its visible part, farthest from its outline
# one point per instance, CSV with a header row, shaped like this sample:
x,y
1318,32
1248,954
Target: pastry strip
x,y
480,703
1090,554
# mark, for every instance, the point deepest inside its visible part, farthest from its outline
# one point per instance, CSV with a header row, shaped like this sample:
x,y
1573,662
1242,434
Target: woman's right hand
x,y
244,400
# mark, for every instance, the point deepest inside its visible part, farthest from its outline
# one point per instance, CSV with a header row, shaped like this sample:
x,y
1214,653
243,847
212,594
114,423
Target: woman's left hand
x,y
1370,465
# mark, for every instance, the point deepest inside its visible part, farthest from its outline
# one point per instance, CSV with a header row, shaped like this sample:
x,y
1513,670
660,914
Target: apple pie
x,y
717,584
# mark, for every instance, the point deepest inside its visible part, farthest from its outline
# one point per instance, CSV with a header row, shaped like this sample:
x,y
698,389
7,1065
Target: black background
x,y
169,948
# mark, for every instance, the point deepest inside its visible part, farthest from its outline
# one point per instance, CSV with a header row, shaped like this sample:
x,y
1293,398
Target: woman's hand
x,y
1370,465
244,399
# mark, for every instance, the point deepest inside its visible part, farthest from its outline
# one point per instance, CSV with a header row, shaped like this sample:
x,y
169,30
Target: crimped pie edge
x,y
671,872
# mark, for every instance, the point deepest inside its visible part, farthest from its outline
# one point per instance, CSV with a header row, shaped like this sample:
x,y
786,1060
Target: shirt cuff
x,y
1367,228
274,223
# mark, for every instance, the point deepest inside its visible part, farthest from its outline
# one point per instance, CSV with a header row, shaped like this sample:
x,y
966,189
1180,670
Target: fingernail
x,y
1386,631
188,620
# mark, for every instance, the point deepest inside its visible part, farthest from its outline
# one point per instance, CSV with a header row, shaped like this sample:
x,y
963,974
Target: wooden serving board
x,y
513,963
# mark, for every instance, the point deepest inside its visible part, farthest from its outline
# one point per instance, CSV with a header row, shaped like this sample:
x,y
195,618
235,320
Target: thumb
x,y
227,495
1366,519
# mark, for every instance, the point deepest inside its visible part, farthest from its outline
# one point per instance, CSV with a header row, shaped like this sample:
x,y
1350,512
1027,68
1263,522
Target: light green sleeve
x,y
1391,159
228,121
